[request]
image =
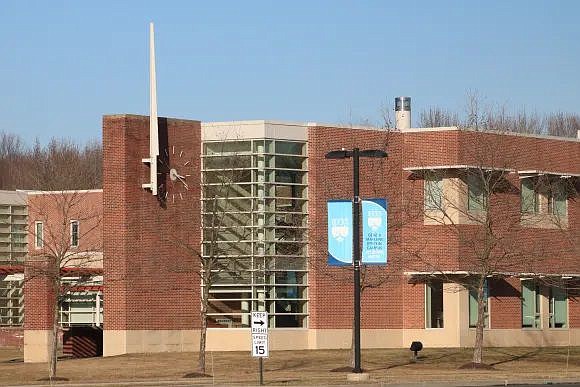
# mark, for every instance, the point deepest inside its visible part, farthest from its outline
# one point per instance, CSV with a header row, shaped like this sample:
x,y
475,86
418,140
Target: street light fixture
x,y
356,153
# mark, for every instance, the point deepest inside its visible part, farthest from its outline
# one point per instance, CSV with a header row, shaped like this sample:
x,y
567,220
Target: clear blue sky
x,y
63,64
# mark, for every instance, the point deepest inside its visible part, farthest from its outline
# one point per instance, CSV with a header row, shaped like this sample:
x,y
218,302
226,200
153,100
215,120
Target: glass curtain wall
x,y
13,233
11,302
255,226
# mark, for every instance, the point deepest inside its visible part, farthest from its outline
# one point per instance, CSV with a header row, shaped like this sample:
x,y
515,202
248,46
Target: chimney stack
x,y
402,112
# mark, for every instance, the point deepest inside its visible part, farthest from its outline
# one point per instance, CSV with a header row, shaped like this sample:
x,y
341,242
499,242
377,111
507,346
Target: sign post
x,y
356,154
260,347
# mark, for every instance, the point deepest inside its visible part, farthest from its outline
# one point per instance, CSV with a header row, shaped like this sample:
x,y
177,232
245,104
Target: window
x,y
531,316
476,198
433,192
11,301
434,304
529,198
546,196
38,235
261,238
74,233
473,307
557,199
558,308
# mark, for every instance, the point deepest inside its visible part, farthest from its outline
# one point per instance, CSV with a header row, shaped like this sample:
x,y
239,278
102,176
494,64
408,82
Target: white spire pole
x,y
153,128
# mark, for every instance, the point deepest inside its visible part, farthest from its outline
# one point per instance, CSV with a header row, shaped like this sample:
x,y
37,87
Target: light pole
x,y
356,154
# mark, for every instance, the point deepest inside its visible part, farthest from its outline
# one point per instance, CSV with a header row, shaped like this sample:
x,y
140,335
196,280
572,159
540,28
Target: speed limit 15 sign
x,y
259,330
260,346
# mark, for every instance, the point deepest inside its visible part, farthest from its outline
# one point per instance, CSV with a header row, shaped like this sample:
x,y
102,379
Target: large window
x,y
558,308
434,304
11,301
255,194
433,192
531,311
473,307
543,195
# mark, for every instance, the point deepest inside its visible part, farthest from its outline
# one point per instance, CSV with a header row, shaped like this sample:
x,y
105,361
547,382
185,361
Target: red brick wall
x,y
150,282
413,305
425,148
11,337
574,309
415,246
529,249
56,210
331,288
505,303
39,297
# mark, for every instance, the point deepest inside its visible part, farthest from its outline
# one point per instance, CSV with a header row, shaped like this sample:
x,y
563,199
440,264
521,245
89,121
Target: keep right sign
x,y
259,325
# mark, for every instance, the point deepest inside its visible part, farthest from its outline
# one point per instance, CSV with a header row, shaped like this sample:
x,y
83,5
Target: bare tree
x,y
65,227
12,161
64,165
478,205
437,117
219,214
563,124
60,165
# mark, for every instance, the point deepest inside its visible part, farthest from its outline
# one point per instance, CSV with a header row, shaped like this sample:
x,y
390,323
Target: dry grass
x,y
303,367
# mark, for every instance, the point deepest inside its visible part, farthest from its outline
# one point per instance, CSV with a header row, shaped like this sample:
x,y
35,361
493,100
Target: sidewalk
x,y
206,382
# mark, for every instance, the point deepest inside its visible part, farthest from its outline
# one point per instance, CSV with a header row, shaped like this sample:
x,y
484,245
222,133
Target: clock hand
x,y
182,179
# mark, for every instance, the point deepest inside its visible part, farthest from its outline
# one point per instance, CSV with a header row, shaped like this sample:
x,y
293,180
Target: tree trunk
x,y
203,333
478,346
53,345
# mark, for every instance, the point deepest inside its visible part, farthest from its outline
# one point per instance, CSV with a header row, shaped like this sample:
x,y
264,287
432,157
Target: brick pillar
x,y
574,309
506,303
151,293
39,302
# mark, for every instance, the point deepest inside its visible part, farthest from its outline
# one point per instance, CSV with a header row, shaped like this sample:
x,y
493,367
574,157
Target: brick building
x,y
270,183
61,228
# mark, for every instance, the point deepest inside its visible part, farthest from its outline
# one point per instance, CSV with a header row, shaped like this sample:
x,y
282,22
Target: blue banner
x,y
374,241
339,232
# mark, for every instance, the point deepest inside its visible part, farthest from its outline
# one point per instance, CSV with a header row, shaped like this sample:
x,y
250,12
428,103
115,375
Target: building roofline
x,y
254,122
344,126
347,126
435,129
532,135
457,166
38,192
144,117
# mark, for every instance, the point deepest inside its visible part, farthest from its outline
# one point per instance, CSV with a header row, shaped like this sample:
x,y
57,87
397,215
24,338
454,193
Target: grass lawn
x,y
303,367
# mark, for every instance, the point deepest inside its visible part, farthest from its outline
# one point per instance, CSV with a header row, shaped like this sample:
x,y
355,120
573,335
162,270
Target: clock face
x,y
175,174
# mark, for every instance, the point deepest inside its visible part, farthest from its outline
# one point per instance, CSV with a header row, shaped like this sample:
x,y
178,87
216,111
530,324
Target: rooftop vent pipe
x,y
402,112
